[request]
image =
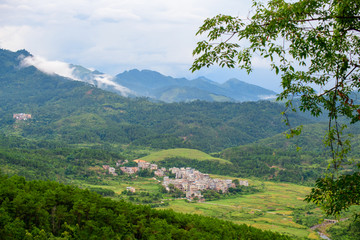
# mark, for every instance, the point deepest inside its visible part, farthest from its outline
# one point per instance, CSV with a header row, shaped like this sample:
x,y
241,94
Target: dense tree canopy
x,y
314,45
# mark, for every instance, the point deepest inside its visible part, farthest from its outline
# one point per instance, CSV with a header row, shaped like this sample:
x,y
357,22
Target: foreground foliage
x,y
347,230
40,210
315,46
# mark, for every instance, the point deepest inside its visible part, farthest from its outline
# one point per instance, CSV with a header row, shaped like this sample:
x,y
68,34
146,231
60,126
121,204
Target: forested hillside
x,y
75,112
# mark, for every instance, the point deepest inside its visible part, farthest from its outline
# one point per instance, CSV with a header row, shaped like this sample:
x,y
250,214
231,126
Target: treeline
x,y
261,162
345,230
276,164
56,160
205,166
44,210
50,160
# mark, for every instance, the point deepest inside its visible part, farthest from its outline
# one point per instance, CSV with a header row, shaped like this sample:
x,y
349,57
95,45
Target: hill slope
x,y
76,112
155,85
181,153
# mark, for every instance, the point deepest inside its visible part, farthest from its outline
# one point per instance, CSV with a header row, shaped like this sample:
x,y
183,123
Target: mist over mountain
x,y
99,79
147,83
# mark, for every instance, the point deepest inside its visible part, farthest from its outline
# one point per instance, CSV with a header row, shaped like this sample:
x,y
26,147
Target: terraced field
x,y
271,209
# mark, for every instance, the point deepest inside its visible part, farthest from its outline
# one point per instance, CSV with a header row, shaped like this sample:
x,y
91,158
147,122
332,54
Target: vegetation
x,y
42,210
76,128
78,113
269,208
239,190
49,160
348,230
315,47
182,153
260,161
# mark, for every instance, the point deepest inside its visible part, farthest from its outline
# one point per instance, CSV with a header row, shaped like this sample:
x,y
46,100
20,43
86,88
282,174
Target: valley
x,y
54,128
271,209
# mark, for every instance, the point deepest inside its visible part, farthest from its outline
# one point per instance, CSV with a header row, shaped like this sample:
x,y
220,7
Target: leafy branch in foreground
x,y
314,45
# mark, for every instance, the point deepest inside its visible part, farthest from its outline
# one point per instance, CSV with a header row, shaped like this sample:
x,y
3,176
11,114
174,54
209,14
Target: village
x,y
21,116
188,180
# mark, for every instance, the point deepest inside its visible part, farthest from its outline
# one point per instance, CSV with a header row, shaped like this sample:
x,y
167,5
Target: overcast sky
x,y
117,35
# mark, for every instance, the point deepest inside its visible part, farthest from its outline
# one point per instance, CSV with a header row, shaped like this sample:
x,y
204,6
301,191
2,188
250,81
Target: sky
x,y
113,36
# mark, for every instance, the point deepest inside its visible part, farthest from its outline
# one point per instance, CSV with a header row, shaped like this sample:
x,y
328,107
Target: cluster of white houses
x,y
188,180
160,172
192,182
21,116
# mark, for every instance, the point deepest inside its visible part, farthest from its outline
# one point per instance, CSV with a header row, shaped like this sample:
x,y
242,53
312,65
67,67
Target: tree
x,y
314,45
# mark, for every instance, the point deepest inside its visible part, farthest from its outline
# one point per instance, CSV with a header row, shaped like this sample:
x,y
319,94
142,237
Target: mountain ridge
x,y
149,83
153,84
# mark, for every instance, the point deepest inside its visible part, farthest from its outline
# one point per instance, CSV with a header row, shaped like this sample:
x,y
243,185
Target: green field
x,y
183,153
270,209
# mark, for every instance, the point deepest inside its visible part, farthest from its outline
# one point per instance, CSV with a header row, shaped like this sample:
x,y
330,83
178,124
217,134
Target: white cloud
x,y
65,70
14,37
259,62
110,14
50,67
104,80
267,97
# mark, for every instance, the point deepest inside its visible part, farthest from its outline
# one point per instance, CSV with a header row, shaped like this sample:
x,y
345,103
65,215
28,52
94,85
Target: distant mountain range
x,y
151,84
154,85
168,89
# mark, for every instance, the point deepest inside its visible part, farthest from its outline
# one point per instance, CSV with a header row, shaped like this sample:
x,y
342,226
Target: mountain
x,y
145,81
155,85
243,91
77,112
99,79
151,84
187,94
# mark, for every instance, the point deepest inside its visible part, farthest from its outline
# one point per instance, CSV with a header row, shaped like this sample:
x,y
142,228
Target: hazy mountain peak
x,y
202,78
23,52
99,79
155,85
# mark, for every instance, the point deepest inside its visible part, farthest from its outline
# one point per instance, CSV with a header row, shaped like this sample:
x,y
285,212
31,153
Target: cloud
x,y
260,62
14,37
104,80
50,67
267,97
65,70
114,15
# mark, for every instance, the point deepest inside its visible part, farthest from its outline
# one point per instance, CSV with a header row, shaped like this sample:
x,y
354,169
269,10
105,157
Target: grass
x,y
270,209
183,153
